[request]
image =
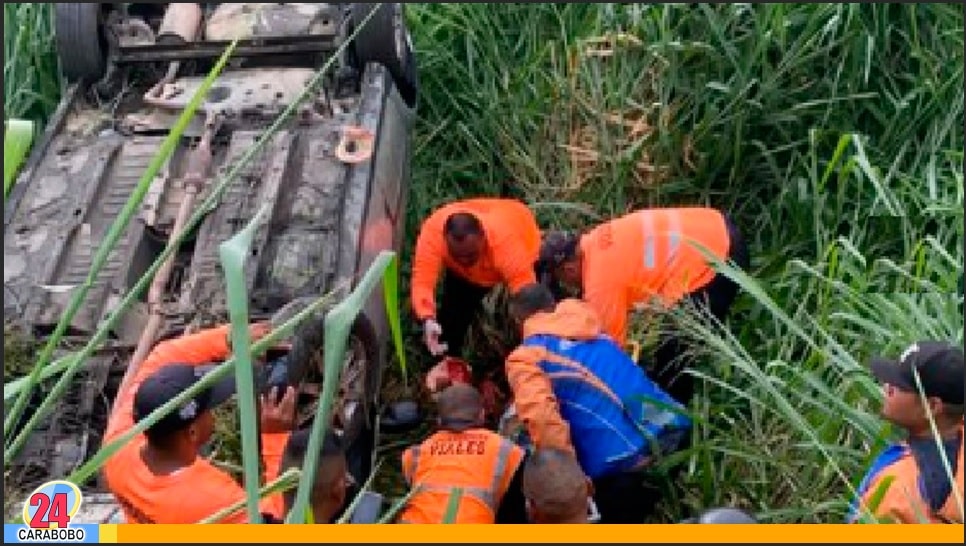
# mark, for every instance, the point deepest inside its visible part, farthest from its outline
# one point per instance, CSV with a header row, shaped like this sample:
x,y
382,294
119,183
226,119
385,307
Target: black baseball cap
x,y
939,365
170,381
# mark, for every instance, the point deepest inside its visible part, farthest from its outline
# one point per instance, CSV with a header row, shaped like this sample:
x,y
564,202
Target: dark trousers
x,y
459,306
624,498
717,296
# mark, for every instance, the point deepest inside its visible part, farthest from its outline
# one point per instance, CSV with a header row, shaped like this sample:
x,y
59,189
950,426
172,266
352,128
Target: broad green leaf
x,y
338,324
390,289
18,134
233,253
281,484
397,506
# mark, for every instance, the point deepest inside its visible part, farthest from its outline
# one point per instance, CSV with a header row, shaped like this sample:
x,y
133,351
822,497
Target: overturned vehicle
x,y
334,180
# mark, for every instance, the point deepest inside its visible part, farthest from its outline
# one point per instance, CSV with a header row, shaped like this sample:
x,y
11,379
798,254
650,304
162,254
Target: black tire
x,y
305,345
384,40
81,45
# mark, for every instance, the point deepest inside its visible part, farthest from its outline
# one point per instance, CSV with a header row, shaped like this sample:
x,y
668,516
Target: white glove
x,y
431,333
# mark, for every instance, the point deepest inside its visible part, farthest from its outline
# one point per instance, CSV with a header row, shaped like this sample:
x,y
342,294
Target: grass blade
x,y
18,134
350,510
233,253
281,484
338,323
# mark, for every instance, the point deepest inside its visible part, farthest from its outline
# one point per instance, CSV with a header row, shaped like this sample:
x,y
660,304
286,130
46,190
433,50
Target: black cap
x,y
170,381
939,365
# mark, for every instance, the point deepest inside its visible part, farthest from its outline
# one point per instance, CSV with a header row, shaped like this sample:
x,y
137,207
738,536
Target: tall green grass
x,y
31,73
832,132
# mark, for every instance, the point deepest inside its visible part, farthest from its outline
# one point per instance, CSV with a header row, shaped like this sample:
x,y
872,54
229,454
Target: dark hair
x,y
162,438
298,445
295,453
460,225
531,299
459,406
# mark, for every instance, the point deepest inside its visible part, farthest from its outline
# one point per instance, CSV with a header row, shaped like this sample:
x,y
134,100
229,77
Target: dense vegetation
x,y
833,133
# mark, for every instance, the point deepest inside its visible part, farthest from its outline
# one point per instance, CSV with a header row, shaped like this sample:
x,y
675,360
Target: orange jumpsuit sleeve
x,y
273,447
515,263
612,308
199,348
222,487
427,265
535,402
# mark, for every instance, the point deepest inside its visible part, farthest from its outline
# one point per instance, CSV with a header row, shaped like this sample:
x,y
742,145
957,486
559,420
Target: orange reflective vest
x,y
903,500
649,254
512,248
479,461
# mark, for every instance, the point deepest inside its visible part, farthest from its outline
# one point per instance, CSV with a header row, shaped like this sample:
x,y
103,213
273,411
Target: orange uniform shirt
x,y
903,501
649,254
479,461
196,491
512,249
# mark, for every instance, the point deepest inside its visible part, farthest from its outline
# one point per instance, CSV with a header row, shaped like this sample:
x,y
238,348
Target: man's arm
x,y
198,348
427,264
515,263
612,309
535,402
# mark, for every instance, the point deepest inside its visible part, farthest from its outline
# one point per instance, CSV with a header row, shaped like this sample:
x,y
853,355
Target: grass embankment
x,y
833,133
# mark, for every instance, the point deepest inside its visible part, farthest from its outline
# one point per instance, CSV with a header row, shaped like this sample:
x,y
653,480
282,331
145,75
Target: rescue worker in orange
x,y
462,453
479,243
921,491
646,257
159,476
556,489
332,478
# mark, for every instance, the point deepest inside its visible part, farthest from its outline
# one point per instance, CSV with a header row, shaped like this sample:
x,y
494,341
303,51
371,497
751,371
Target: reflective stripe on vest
x,y
486,496
650,238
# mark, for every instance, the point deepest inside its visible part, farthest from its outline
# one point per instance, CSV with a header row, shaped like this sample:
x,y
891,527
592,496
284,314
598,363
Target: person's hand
x,y
278,415
438,377
259,330
431,334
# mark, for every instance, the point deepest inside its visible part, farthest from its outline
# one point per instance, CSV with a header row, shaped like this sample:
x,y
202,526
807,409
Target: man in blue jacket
x,y
574,389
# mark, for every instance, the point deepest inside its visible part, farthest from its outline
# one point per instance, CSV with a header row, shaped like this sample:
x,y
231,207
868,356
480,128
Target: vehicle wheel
x,y
385,40
81,44
354,412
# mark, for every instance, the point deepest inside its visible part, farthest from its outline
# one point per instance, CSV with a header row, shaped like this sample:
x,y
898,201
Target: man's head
x,y
465,238
187,428
560,260
717,516
556,488
332,479
941,374
460,407
530,300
